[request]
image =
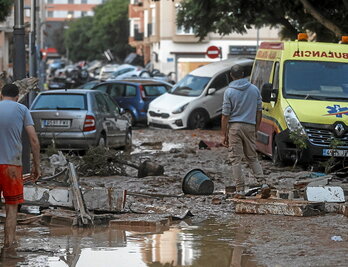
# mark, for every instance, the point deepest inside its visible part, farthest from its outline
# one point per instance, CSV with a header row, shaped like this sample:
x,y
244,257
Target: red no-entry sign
x,y
213,51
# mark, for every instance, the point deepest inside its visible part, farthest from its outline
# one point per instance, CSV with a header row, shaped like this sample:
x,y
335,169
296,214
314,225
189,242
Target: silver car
x,y
77,119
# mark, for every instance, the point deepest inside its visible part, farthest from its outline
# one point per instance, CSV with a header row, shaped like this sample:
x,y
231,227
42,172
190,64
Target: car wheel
x,y
128,141
130,117
198,119
145,74
276,158
102,141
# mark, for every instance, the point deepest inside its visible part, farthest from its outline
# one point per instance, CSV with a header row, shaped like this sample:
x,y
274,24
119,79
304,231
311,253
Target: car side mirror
x,y
211,91
266,92
122,111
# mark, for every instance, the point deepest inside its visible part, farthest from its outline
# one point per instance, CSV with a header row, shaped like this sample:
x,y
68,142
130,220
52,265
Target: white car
x,y
195,99
107,71
128,71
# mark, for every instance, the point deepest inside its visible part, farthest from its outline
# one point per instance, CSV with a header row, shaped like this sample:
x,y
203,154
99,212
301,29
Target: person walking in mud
x,y
241,118
13,119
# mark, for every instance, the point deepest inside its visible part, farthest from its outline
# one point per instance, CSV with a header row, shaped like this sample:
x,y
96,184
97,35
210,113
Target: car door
x,y
121,125
116,91
108,119
213,102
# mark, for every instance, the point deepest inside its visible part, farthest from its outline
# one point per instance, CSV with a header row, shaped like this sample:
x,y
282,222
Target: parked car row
x,y
103,113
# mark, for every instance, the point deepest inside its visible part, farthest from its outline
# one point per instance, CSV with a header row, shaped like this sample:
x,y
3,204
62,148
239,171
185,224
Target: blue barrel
x,y
196,182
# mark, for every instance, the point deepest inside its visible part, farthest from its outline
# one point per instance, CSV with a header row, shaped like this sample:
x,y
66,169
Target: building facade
x,y
156,36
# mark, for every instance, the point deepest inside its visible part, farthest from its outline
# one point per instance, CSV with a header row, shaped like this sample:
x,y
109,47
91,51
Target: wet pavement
x,y
214,236
207,244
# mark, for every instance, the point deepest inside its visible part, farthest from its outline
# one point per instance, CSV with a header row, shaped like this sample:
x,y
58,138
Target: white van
x,y
195,99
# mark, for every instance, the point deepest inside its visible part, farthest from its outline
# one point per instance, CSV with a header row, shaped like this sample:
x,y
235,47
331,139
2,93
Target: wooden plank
x,y
279,207
82,212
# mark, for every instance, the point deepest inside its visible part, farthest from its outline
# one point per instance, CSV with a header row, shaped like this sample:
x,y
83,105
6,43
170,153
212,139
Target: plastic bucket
x,y
196,182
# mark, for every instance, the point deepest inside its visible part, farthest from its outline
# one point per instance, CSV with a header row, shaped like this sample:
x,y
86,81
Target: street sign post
x,y
213,51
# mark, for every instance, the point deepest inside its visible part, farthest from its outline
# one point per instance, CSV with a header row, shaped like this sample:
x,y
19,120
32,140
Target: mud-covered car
x,y
78,119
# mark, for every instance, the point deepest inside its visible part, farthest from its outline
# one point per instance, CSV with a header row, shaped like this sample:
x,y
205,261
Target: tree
x,y
5,9
111,28
77,38
326,18
88,37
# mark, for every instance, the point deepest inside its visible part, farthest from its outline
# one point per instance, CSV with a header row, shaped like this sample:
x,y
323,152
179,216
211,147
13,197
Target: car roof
x,y
138,81
211,69
69,91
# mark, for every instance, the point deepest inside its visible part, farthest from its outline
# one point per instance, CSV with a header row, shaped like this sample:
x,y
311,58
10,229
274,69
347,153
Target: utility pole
x,y
19,71
19,41
32,47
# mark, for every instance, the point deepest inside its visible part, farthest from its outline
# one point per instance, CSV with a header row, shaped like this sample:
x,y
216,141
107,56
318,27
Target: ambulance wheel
x,y
276,158
198,119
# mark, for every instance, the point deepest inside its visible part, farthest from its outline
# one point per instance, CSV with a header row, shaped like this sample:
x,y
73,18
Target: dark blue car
x,y
134,95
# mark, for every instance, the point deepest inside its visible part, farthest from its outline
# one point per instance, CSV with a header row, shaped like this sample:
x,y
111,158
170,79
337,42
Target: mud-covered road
x,y
266,240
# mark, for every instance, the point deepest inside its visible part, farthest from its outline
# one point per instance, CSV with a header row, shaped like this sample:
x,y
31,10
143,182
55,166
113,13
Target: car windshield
x,y
190,85
154,90
121,71
60,102
316,80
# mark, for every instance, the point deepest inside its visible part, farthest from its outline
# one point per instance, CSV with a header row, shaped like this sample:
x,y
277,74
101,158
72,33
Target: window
x,y
190,85
154,90
262,72
220,81
315,80
102,88
130,90
83,13
182,30
49,1
60,102
117,90
276,76
50,14
70,14
83,1
70,1
112,106
101,103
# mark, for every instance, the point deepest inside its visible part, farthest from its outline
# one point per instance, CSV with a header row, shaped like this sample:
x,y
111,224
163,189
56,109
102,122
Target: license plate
x,y
156,121
56,123
335,153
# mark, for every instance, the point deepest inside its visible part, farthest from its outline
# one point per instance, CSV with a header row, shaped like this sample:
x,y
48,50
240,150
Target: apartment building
x,y
58,12
156,36
6,37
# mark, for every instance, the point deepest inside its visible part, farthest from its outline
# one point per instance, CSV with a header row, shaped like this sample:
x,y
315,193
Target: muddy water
x,y
207,244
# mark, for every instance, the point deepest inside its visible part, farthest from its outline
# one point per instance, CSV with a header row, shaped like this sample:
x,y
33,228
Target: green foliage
x,y
299,140
88,37
5,9
332,161
77,39
226,16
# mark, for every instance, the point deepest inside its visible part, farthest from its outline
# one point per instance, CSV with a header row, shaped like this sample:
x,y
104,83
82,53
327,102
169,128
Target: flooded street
x,y
213,236
206,244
